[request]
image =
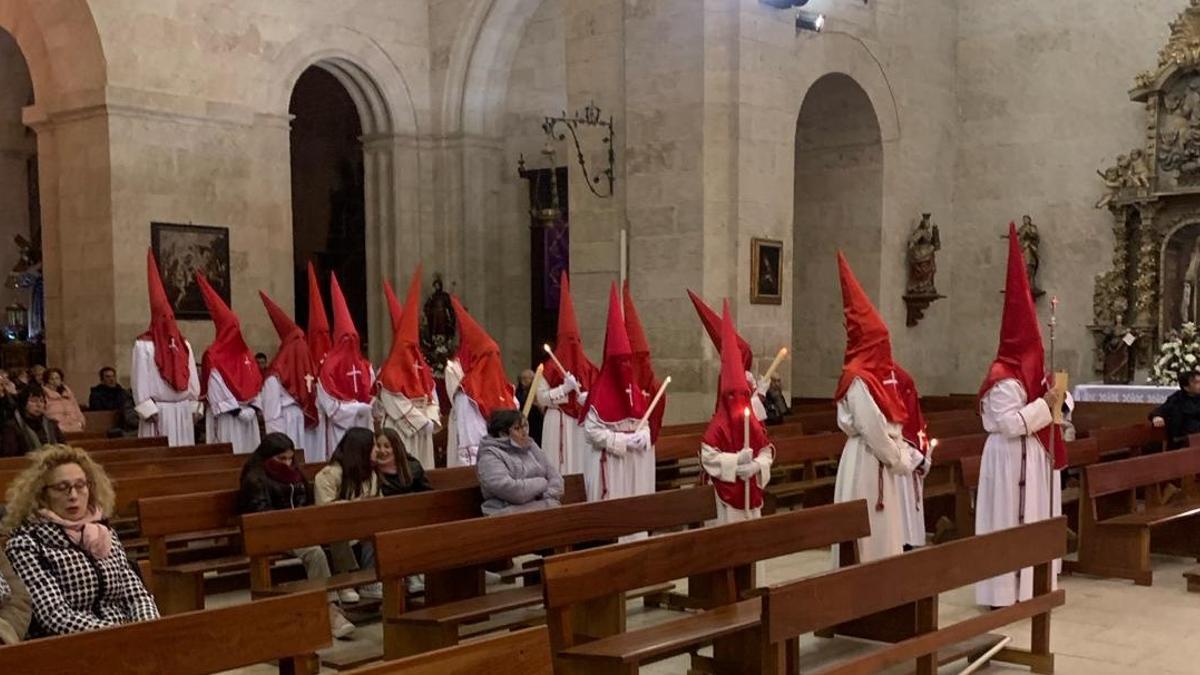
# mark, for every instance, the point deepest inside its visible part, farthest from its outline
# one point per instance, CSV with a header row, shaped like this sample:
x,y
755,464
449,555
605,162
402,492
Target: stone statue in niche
x,y
923,245
1031,242
1191,293
438,334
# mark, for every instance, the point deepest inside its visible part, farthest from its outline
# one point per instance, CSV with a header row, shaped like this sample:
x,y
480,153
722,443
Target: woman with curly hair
x,y
73,565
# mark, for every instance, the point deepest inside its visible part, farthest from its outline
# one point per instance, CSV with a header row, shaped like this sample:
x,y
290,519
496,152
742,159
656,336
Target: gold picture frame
x,y
766,267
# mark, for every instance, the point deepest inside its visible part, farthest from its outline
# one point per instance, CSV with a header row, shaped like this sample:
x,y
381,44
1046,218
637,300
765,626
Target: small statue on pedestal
x,y
923,245
1031,241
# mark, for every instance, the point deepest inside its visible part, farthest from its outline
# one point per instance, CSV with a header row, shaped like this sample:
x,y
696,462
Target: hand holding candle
x,y
532,393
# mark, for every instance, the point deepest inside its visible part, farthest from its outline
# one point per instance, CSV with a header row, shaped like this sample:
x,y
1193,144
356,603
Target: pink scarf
x,y
88,532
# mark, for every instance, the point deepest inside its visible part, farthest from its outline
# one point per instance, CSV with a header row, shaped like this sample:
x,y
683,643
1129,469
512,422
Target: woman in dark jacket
x,y
272,482
399,472
29,428
73,565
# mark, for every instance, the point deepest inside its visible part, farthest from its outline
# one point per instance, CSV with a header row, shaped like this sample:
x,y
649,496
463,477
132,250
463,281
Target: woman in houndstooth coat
x,y
77,573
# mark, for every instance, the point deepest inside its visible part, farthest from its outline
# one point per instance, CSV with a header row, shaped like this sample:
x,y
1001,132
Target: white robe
x,y
871,442
610,462
281,413
161,410
911,490
340,416
756,399
467,427
723,466
222,418
563,438
416,420
1009,420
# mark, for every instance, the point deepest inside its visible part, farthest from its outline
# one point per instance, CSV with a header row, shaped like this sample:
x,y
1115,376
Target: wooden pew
x,y
677,458
849,593
584,591
522,652
1114,534
1128,440
289,629
115,443
1091,415
945,479
168,521
134,454
265,535
451,556
101,420
796,477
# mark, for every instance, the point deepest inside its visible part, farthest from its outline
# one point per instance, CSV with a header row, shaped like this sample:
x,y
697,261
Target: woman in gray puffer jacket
x,y
514,473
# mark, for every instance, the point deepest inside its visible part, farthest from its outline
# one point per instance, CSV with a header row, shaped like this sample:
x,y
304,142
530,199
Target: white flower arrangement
x,y
1180,352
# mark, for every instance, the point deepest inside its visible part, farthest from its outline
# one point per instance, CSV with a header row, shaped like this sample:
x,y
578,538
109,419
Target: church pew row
x,y
1115,531
101,420
91,444
522,652
856,592
289,630
584,591
452,555
274,533
134,454
172,524
137,468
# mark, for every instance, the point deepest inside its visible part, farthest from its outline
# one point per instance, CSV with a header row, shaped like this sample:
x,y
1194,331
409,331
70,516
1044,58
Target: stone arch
x,y
391,158
838,205
61,45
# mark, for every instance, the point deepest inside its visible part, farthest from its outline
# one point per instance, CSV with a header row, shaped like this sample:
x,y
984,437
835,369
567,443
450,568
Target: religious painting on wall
x,y
182,250
766,263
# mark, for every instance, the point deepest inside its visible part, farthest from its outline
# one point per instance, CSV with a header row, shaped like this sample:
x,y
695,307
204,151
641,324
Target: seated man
x,y
108,394
1180,413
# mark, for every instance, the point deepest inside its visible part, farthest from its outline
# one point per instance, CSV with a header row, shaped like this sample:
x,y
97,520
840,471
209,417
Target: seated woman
x,y
514,473
349,477
271,482
15,610
29,429
61,405
73,565
399,472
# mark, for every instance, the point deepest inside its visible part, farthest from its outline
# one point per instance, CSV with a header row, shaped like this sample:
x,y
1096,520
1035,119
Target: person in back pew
x,y
738,466
514,473
871,413
61,404
15,609
1017,475
1180,413
270,481
348,477
29,429
74,566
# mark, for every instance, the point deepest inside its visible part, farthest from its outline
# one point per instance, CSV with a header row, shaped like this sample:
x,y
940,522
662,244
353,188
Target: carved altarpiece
x,y
1153,193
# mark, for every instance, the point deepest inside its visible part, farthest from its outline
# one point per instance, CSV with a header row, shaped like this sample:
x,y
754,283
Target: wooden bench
x,y
522,652
451,556
273,533
1128,440
1091,415
858,591
101,420
118,443
796,475
1114,530
677,458
134,454
170,522
584,591
289,629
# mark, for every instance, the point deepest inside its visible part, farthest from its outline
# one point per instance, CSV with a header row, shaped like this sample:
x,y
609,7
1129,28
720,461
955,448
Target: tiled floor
x,y
1107,627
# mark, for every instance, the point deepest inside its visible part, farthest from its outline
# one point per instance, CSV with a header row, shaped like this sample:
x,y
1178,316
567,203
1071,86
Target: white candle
x,y
661,390
532,393
779,357
746,428
555,358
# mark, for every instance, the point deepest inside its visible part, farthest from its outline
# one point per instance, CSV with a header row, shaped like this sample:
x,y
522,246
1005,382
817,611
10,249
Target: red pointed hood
x,y
615,395
1021,355
228,353
395,309
868,348
568,347
405,372
345,374
293,364
484,381
643,369
319,340
170,349
712,326
915,431
726,430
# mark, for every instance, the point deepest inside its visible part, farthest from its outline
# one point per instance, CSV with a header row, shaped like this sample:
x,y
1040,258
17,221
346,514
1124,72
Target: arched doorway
x,y
838,205
22,292
328,202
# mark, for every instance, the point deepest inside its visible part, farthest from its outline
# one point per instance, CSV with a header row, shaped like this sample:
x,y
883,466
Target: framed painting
x,y
181,251
766,269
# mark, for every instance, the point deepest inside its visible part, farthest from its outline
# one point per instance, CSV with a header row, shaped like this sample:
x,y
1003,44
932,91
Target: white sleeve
x,y
1013,417
469,423
453,374
220,399
872,426
340,413
193,375
272,402
142,378
547,397
719,465
603,437
764,459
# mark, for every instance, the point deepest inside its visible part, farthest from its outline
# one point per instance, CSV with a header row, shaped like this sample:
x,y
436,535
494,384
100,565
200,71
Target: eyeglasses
x,y
520,426
65,488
